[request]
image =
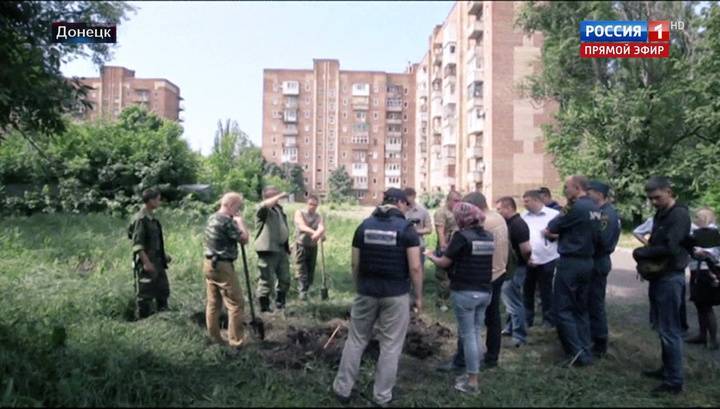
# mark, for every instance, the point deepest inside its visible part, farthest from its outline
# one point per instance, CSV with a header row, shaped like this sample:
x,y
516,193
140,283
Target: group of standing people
x,y
483,257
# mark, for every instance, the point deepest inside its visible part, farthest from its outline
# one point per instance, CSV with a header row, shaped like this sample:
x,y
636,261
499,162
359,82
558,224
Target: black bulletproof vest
x,y
382,255
472,271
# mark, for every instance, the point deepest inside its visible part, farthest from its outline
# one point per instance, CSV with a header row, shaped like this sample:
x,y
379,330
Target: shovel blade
x,y
324,295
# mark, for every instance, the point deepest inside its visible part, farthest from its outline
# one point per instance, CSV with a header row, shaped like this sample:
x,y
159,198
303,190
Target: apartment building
x,y
117,88
475,131
323,118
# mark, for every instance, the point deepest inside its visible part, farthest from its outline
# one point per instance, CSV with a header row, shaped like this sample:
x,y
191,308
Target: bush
x,y
99,166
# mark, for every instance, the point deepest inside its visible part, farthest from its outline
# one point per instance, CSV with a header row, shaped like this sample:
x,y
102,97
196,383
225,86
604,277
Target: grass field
x,y
67,340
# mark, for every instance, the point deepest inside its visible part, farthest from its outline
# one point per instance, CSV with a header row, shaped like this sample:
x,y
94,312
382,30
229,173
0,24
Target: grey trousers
x,y
392,316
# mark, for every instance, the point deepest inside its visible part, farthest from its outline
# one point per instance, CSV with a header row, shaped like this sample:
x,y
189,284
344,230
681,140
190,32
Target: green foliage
x,y
292,175
101,165
33,92
431,200
340,185
618,119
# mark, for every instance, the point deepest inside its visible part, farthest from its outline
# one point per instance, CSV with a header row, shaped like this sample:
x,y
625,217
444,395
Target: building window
x,y
307,140
405,119
405,104
307,114
344,114
273,140
376,101
344,155
406,90
345,102
307,128
375,116
307,156
331,121
376,89
274,154
307,100
344,128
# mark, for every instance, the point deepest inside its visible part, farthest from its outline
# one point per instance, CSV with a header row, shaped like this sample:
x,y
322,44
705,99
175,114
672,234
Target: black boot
x,y
144,309
280,300
264,304
162,304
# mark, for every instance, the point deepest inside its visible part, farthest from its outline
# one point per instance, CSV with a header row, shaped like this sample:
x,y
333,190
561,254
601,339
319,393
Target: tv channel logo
x,y
625,31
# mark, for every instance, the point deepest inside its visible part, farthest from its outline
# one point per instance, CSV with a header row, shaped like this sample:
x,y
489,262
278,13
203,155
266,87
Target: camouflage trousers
x,y
150,287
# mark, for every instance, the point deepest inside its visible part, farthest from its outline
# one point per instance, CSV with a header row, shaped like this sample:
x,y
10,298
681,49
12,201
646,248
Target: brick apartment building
x,y
455,120
326,117
118,88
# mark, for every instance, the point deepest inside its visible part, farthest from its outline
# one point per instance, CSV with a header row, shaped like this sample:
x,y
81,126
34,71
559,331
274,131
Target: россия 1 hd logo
x,y
82,33
626,39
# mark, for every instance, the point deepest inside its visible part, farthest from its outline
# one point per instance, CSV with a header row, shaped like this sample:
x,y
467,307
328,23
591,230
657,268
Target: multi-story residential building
x,y
117,88
326,117
475,131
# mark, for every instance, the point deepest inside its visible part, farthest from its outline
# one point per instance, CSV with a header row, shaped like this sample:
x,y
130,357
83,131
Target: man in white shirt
x,y
541,266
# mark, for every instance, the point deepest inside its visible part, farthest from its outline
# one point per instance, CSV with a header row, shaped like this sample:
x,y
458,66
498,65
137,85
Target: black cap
x,y
394,194
599,186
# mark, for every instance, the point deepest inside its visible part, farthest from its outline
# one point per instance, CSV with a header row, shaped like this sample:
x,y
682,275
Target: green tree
x,y
235,163
34,95
340,185
618,119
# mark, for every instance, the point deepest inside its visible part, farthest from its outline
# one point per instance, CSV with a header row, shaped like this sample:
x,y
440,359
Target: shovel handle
x,y
247,282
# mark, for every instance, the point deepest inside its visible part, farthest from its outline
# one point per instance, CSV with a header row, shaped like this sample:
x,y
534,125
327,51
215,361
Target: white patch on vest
x,y
381,237
483,248
595,216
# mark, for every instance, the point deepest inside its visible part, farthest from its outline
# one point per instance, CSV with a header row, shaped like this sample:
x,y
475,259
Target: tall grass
x,y
65,338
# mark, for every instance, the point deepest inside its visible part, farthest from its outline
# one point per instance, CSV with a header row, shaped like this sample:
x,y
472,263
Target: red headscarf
x,y
467,214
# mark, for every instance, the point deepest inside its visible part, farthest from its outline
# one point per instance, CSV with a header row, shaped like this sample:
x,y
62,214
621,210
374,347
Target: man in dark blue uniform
x,y
666,250
385,257
607,239
576,227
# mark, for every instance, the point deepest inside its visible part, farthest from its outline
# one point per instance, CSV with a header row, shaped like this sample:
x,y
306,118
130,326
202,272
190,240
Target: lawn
x,y
68,338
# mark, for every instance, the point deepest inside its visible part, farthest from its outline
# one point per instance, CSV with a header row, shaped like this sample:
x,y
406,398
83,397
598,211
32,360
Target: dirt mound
x,y
305,346
423,340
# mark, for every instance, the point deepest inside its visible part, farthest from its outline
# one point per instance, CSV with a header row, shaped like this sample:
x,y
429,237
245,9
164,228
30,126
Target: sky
x,y
216,51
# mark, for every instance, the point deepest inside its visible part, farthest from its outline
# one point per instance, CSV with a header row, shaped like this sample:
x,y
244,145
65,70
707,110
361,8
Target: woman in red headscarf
x,y
469,258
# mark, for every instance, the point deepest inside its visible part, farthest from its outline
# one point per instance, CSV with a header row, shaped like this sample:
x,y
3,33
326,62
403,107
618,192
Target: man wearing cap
x,y
385,258
608,235
548,200
576,228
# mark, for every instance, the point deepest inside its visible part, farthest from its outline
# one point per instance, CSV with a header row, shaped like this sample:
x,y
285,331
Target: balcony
x,y
360,183
394,90
291,88
393,147
475,94
437,126
475,28
359,170
476,121
448,136
392,171
290,129
290,116
290,142
450,54
476,176
394,120
360,103
393,133
437,54
394,106
436,106
389,182
291,103
361,90
474,152
449,110
423,116
449,71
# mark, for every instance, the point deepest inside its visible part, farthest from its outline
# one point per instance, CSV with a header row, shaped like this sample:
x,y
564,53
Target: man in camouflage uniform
x,y
273,249
310,229
445,226
149,259
224,230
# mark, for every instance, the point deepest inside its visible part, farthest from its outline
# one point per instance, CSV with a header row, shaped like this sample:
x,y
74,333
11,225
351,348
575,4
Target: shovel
x,y
324,291
258,327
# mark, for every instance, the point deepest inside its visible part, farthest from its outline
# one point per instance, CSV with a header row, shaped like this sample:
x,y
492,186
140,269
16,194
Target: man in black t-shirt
x,y
512,295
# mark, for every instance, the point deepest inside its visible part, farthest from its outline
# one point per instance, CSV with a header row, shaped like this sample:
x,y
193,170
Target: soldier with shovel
x,y
310,231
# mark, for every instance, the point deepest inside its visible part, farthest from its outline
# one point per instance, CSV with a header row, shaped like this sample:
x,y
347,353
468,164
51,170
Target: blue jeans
x,y
512,297
665,295
570,295
596,303
469,309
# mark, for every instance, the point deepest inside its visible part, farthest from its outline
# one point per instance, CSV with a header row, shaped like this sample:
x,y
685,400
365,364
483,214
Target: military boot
x,y
264,304
144,309
280,300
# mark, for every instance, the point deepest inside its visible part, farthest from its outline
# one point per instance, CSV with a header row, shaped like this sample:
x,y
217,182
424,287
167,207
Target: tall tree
x,y
617,119
34,95
340,185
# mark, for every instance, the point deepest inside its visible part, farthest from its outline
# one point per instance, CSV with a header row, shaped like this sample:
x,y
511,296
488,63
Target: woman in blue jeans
x,y
469,260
